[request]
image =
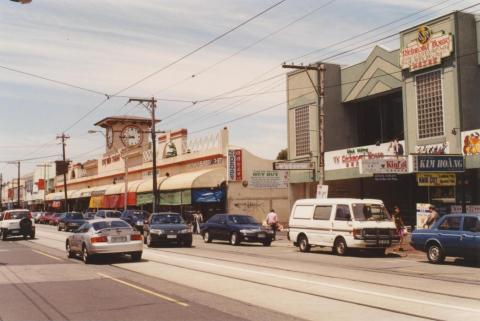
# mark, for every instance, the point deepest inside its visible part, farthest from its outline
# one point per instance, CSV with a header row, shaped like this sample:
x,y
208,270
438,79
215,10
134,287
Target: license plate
x,y
15,232
171,236
383,242
118,239
261,235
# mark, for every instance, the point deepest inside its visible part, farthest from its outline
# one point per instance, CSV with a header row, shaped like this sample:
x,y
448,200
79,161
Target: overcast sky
x,y
106,45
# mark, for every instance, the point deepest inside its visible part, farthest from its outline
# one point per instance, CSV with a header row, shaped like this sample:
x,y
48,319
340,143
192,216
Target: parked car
x,y
54,219
342,224
89,215
104,236
108,214
235,229
167,227
456,235
70,221
135,218
45,218
36,216
17,222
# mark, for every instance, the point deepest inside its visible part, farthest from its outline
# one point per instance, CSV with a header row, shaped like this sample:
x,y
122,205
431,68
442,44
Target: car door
x,y
321,233
449,235
222,229
342,222
470,238
76,239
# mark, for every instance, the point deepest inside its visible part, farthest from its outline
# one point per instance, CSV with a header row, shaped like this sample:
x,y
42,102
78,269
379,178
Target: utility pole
x,y
150,105
63,137
45,183
18,184
1,190
320,91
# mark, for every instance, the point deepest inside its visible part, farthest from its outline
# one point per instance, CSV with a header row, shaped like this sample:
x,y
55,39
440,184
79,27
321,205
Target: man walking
x,y
272,221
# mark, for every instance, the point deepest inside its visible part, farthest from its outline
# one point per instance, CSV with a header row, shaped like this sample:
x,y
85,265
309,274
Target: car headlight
x,y
139,222
187,230
248,231
155,231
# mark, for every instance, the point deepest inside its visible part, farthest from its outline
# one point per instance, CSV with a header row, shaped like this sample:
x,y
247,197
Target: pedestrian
x,y
198,220
432,217
272,221
400,226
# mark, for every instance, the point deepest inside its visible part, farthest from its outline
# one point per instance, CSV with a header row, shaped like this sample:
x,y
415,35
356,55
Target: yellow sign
x,y
436,179
423,35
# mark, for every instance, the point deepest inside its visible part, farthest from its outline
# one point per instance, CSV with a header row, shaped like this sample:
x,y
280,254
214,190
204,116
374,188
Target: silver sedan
x,y
104,236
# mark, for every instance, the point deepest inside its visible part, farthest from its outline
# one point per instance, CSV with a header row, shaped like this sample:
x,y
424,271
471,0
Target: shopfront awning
x,y
114,189
197,179
146,185
55,196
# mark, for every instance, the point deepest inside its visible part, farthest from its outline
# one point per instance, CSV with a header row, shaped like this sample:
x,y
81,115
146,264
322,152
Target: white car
x,y
17,222
105,236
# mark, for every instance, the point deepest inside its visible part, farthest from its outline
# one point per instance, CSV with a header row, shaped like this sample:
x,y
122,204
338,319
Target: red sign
x,y
41,184
235,163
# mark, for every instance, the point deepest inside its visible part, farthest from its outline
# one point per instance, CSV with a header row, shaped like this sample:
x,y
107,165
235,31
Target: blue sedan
x,y
235,229
456,235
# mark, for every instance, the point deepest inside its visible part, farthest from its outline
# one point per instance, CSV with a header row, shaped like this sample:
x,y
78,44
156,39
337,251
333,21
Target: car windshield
x,y
18,215
75,216
370,212
109,224
241,219
113,214
167,219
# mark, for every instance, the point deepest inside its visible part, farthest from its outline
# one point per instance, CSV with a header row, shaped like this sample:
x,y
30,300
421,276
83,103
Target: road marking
x,y
341,287
161,296
48,255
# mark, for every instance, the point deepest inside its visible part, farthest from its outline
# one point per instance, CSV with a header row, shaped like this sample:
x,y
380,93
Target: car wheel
x,y
234,239
267,243
149,240
206,237
303,244
340,247
85,255
70,253
136,256
435,254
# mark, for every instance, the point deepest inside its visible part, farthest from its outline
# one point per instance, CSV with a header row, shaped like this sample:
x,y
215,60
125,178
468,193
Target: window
x,y
451,224
303,212
302,133
471,224
430,104
322,212
343,213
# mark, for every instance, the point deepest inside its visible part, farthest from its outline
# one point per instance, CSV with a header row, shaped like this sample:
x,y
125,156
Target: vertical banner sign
x,y
322,191
235,165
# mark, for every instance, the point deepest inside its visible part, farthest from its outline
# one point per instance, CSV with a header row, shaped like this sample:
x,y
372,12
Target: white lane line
x,y
341,287
48,255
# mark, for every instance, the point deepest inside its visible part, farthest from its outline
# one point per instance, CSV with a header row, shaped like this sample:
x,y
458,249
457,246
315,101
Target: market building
x,y
402,126
203,173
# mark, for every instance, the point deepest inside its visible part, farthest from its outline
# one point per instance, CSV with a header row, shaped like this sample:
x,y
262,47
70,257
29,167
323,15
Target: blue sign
x,y
206,195
438,163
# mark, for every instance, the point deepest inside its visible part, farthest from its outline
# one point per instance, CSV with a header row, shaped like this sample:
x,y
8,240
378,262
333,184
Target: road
x,y
220,282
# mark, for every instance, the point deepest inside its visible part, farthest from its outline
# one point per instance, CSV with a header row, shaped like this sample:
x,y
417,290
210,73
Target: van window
x,y
303,212
322,213
370,212
343,213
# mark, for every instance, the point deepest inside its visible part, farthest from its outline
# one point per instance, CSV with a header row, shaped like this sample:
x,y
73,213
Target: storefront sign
x,y
208,195
471,142
427,51
438,163
436,179
235,165
432,149
398,165
110,159
293,166
385,177
351,157
217,161
322,191
471,209
263,179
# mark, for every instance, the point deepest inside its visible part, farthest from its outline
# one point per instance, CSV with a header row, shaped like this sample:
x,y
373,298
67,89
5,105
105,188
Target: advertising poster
x,y
423,210
267,179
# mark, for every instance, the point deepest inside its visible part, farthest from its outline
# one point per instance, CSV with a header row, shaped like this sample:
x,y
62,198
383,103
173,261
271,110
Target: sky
x,y
104,46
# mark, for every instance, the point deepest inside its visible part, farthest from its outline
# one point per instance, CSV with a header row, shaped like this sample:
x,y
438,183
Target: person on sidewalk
x,y
432,217
272,221
198,220
400,226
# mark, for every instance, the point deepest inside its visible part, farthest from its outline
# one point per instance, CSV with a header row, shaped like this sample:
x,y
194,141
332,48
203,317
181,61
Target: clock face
x,y
131,136
109,136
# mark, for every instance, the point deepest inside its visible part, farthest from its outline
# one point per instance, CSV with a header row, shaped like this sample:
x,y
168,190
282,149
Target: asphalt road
x,y
221,282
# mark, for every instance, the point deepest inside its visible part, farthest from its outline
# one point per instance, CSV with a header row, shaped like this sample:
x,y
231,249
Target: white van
x,y
341,223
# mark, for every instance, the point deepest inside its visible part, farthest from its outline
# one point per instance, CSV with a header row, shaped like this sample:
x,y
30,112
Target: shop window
x,y
302,131
430,104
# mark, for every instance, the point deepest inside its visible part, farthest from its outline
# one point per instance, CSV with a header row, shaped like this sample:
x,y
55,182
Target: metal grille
x,y
302,133
430,104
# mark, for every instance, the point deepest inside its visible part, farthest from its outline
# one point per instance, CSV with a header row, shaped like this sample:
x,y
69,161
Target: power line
x,y
28,159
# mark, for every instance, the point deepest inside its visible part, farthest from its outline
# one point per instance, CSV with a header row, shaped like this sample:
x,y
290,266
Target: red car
x,y
45,218
55,218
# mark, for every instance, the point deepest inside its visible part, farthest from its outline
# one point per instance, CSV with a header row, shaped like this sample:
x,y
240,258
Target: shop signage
x,y
322,191
438,163
471,142
235,165
351,157
432,149
217,161
471,209
398,165
293,166
385,177
110,159
427,51
264,179
436,179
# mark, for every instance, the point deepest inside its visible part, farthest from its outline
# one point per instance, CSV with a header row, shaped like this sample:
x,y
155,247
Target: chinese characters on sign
x,y
397,165
235,165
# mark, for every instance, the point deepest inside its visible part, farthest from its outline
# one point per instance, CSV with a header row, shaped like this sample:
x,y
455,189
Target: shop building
x,y
388,117
203,173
